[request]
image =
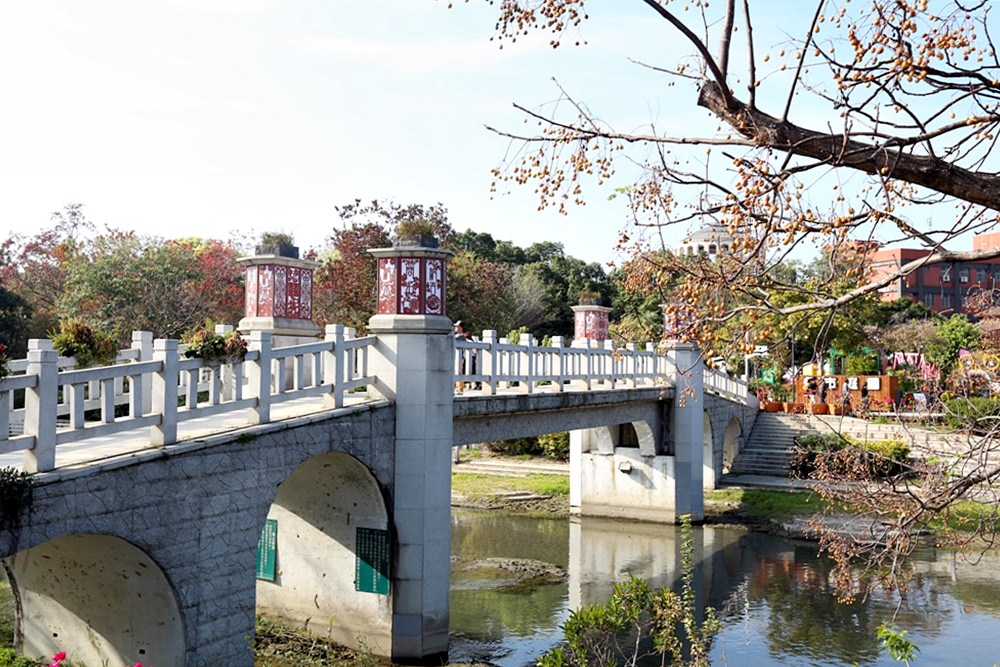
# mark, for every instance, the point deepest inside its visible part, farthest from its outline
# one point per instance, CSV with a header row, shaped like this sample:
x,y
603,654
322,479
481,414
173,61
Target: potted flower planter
x,y
819,409
772,406
277,249
415,241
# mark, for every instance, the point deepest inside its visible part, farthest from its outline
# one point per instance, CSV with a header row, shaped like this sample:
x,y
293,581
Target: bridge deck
x,y
155,384
135,443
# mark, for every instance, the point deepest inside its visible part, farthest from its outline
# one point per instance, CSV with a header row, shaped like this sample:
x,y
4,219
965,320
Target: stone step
x,y
772,439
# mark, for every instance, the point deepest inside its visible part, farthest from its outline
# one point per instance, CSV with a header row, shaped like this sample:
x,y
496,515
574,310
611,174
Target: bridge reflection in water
x,y
773,594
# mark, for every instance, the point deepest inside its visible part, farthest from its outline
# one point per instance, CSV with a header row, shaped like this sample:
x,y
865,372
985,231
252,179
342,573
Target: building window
x,y
928,300
946,274
946,301
963,275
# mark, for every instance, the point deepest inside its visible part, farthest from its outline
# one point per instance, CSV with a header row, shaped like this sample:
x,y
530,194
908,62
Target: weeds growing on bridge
x,y
15,495
10,659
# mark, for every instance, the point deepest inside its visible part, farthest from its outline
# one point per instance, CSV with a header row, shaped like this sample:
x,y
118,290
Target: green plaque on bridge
x,y
371,569
267,550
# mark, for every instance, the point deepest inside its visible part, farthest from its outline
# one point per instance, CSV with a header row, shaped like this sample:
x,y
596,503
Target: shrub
x,y
809,448
802,465
612,633
215,348
555,446
852,460
89,348
10,659
515,447
276,238
821,442
975,413
415,228
886,457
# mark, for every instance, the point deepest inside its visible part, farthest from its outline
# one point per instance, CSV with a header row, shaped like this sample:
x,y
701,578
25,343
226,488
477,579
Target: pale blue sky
x,y
197,117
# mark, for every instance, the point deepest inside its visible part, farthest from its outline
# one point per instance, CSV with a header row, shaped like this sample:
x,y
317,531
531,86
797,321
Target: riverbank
x,y
532,486
529,487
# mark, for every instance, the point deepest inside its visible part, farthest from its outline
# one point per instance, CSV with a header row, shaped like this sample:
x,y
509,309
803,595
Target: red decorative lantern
x,y
411,280
590,321
278,295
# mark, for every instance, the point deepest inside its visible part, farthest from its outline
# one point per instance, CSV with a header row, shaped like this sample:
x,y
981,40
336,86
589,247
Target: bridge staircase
x,y
771,444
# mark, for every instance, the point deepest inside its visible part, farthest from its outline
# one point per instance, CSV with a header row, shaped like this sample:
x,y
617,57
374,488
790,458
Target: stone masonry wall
x,y
197,510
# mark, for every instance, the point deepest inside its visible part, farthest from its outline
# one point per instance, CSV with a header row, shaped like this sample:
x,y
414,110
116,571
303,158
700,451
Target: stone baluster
x,y
40,406
260,376
164,391
141,391
527,363
334,366
558,342
488,360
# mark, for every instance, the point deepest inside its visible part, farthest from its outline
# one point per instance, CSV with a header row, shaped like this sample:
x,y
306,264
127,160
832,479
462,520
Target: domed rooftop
x,y
710,240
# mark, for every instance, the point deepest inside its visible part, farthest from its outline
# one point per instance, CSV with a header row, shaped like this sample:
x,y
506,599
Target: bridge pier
x,y
649,469
412,360
688,431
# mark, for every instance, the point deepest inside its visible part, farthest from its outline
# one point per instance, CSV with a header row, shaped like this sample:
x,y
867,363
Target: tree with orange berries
x,y
862,123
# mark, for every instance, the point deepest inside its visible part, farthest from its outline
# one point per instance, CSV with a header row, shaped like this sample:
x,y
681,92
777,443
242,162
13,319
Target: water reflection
x,y
774,594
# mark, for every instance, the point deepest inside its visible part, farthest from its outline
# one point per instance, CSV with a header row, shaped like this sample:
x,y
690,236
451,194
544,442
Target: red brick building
x,y
944,288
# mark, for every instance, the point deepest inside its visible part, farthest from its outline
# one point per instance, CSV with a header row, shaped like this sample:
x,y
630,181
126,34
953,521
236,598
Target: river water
x,y
773,594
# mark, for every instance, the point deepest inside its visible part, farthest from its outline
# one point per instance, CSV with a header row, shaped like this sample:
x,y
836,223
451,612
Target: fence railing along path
x,y
153,395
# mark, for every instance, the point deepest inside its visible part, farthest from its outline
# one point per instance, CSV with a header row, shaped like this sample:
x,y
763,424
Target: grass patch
x,y
474,484
470,453
6,615
768,504
967,516
278,645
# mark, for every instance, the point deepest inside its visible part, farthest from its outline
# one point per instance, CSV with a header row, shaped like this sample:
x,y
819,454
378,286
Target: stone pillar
x,y
279,297
590,321
688,430
576,439
40,406
412,359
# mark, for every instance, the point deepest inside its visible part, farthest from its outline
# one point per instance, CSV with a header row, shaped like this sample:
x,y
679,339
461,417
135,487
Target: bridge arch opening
x,y
322,510
731,442
99,598
708,453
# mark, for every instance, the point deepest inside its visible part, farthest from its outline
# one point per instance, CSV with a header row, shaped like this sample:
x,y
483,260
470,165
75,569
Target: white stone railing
x,y
156,387
528,367
719,382
46,402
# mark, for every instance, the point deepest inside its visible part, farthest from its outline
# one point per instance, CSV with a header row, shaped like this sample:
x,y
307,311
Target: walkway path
x,y
127,446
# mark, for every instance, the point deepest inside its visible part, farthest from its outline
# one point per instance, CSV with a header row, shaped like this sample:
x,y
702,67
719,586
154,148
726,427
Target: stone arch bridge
x,y
312,482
